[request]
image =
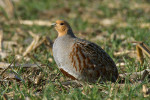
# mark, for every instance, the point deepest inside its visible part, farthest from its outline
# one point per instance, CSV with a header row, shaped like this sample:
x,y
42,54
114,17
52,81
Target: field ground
x,y
112,24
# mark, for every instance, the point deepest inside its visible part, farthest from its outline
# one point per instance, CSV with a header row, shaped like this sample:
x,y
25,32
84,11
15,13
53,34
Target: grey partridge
x,y
80,59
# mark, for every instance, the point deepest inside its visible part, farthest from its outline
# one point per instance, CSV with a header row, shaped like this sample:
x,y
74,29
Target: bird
x,y
80,59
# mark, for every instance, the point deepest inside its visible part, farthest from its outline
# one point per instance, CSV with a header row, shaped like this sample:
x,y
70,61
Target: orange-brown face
x,y
62,27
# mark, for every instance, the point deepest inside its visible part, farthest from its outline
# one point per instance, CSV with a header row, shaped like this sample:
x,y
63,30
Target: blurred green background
x,y
112,24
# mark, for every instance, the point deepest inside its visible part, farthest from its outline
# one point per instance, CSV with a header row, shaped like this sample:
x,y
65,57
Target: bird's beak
x,y
53,24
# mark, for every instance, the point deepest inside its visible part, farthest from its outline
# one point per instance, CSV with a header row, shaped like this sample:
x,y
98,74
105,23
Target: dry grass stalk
x,y
1,40
37,42
135,75
140,54
3,65
33,43
111,91
146,49
27,65
27,98
19,57
12,76
35,22
5,97
146,91
8,8
4,54
7,67
122,64
142,48
123,52
145,25
41,42
38,79
145,73
73,82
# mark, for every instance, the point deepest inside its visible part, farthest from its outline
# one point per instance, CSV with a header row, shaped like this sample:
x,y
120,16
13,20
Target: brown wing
x,y
93,61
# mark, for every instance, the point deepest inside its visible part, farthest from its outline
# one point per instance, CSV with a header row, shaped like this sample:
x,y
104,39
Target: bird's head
x,y
62,27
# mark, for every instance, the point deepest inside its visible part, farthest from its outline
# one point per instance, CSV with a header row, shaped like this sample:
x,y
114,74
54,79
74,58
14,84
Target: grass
x,y
125,19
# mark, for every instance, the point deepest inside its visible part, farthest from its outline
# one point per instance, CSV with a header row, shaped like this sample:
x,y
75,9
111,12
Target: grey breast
x,y
61,49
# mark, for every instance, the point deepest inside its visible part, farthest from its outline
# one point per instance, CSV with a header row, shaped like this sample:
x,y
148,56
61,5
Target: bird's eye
x,y
61,23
